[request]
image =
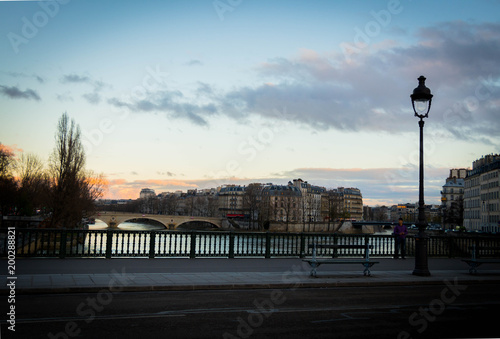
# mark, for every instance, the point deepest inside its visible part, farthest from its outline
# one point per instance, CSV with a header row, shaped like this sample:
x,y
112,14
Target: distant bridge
x,y
113,219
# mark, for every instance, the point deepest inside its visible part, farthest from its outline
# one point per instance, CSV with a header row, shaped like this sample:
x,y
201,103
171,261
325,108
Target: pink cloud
x,y
12,149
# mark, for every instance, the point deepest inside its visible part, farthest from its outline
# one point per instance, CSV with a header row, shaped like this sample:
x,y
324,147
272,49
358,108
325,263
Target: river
x,y
171,244
126,226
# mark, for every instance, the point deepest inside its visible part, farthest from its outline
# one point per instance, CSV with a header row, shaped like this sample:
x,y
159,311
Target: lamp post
x,y
421,103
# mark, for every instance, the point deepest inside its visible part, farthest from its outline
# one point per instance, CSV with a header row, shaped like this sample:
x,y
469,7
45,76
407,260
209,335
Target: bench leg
x,y
367,266
314,265
473,267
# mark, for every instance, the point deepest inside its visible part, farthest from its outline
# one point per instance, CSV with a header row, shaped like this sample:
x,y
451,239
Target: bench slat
x,y
314,262
482,261
339,261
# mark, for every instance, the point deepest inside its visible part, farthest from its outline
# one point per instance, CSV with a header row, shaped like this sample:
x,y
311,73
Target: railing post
x,y
62,244
335,242
109,243
302,245
268,245
192,249
367,250
152,237
476,245
231,245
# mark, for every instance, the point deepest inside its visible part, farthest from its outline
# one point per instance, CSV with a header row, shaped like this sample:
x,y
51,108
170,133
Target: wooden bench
x,y
474,262
314,262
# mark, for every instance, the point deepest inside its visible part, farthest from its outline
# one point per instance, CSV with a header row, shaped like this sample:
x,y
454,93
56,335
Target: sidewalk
x,y
94,275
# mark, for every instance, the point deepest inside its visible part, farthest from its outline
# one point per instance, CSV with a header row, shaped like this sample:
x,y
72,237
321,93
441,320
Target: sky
x,y
178,95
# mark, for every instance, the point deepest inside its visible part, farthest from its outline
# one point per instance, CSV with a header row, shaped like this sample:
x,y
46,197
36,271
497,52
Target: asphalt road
x,y
445,310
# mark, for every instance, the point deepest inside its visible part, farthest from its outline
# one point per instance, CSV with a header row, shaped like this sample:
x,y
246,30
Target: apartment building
x,y
452,198
482,195
281,203
147,193
408,212
230,200
310,205
343,203
298,202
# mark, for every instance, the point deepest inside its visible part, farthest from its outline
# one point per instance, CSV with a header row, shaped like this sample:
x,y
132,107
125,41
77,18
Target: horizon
x,y
177,96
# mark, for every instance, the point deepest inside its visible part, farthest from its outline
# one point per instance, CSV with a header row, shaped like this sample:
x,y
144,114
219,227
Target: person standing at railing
x,y
400,232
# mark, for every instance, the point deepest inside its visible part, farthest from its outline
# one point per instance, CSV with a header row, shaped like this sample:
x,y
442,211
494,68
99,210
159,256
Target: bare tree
x,y
172,202
380,213
6,161
212,206
8,186
34,183
73,190
200,206
289,207
266,210
93,187
454,214
252,201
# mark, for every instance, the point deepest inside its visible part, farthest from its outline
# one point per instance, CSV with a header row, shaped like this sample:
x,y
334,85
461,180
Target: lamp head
x,y
421,99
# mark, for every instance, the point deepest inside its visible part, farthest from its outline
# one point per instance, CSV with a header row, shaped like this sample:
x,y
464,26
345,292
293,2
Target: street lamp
x,y
421,102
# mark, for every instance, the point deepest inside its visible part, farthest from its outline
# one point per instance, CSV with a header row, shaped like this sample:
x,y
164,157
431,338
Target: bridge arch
x,y
142,218
113,219
183,224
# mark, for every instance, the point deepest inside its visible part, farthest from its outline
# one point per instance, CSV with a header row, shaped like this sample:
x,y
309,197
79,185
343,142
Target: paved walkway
x,y
94,275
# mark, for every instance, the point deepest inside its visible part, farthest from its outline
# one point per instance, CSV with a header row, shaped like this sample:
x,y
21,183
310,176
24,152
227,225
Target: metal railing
x,y
64,243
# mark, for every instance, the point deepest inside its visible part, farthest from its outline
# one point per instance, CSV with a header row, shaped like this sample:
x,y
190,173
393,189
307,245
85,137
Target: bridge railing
x,y
193,244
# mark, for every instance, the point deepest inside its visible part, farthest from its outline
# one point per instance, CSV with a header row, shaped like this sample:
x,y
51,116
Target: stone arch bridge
x,y
113,219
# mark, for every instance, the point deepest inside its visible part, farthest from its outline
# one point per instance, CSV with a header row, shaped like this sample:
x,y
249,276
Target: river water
x,y
205,244
126,226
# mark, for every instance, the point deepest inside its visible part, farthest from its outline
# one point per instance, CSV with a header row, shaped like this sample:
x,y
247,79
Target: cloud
x,y
173,103
369,91
377,185
169,174
93,97
75,78
194,62
123,189
64,97
10,149
205,89
15,93
24,75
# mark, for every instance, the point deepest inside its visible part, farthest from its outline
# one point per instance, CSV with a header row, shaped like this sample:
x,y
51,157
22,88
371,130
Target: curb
x,y
243,286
